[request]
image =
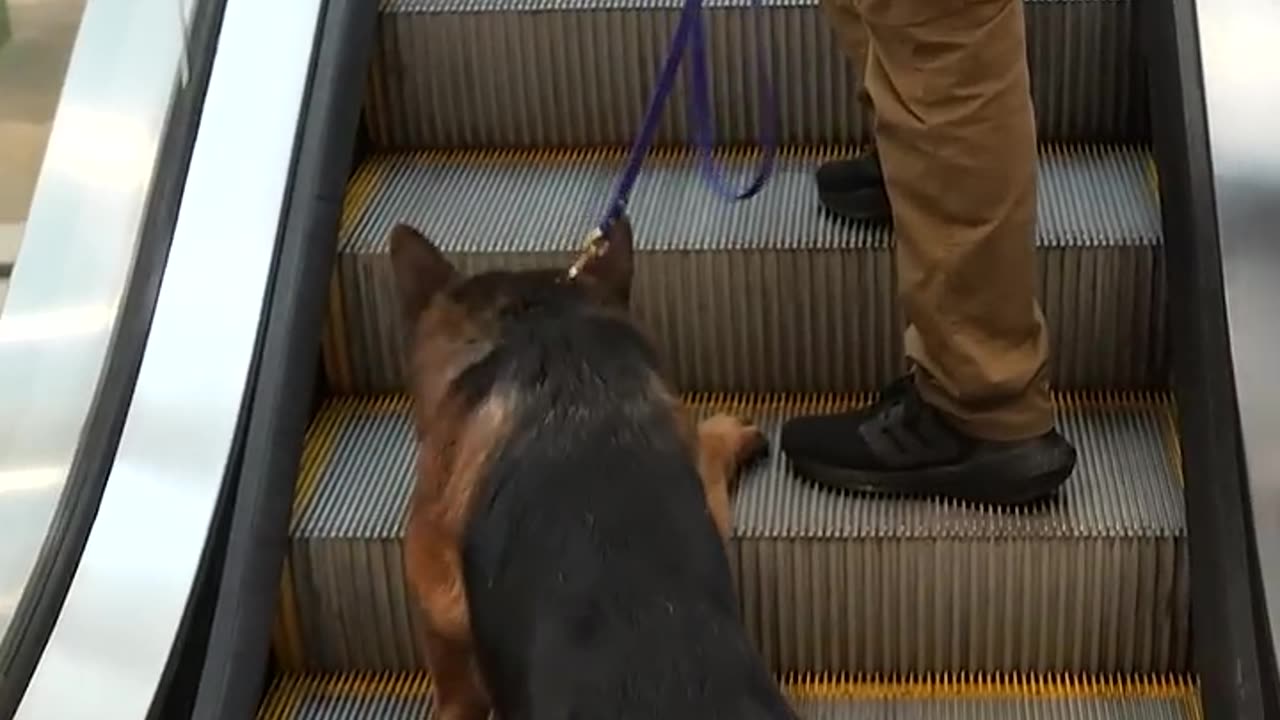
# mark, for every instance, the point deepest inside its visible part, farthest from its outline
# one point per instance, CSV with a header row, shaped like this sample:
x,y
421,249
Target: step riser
x,y
764,295
571,77
741,321
1096,583
940,606
889,606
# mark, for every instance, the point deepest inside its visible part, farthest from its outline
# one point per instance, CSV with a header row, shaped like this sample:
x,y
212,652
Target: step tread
x,y
544,202
352,696
358,474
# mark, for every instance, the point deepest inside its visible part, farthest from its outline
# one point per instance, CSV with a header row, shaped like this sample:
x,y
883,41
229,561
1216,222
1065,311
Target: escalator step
x,y
1095,582
761,296
572,73
369,696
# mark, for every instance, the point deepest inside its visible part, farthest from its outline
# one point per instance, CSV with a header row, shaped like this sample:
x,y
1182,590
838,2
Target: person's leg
x,y
956,136
853,188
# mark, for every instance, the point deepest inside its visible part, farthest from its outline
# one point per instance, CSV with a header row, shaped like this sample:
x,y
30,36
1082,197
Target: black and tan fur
x,y
565,542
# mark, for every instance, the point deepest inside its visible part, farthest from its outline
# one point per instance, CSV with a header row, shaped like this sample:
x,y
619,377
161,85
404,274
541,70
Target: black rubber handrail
x,y
1237,673
223,667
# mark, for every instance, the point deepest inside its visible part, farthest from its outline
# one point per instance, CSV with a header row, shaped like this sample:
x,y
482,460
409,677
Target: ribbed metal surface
x,y
765,295
361,696
572,73
1096,582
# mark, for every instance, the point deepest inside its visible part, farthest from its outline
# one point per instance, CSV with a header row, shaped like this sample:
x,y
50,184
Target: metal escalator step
x,y
765,295
571,73
1096,582
405,696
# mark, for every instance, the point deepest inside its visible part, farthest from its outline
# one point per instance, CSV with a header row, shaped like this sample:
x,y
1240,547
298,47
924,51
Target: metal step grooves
x,y
369,696
574,73
1096,582
787,299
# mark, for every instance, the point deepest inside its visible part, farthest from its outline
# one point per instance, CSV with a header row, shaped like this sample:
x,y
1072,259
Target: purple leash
x,y
689,37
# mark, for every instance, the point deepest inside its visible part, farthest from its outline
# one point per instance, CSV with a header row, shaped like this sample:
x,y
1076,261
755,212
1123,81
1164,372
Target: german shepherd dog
x,y
565,544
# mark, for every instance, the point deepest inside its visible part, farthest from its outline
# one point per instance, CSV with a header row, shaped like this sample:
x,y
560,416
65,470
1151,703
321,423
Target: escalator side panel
x,y
1242,99
127,606
235,661
1237,673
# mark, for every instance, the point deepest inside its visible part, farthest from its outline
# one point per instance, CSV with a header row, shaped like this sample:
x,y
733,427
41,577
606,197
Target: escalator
x,y
499,129
767,307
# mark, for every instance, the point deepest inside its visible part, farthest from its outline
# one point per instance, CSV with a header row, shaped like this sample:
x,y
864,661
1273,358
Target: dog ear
x,y
421,270
611,269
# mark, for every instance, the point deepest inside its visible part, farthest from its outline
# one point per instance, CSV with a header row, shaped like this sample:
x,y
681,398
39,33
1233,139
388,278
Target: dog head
x,y
455,320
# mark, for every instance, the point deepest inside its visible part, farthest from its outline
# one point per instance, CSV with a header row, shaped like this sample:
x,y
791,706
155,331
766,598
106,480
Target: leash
x,y
689,37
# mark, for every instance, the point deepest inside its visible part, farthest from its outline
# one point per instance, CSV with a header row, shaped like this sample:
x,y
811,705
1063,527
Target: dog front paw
x,y
739,439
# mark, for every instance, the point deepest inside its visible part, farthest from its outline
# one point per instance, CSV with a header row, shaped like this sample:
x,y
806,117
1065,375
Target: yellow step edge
x,y
677,152
288,690
1065,400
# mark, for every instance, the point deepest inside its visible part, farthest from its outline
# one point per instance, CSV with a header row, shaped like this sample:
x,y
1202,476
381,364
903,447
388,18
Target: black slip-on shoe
x,y
903,446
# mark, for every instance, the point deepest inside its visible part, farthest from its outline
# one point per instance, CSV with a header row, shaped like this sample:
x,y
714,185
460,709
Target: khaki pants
x,y
955,130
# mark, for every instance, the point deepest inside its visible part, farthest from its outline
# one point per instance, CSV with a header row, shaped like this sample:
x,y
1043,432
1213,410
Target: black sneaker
x,y
901,445
853,189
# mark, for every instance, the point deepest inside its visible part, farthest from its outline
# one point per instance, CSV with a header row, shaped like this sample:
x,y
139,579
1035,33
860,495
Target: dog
x,y
565,546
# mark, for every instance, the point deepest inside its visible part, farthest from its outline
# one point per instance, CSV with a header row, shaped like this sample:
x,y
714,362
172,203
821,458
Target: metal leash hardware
x,y
593,247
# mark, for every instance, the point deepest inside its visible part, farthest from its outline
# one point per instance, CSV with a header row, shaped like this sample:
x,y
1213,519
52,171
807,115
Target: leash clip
x,y
593,247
